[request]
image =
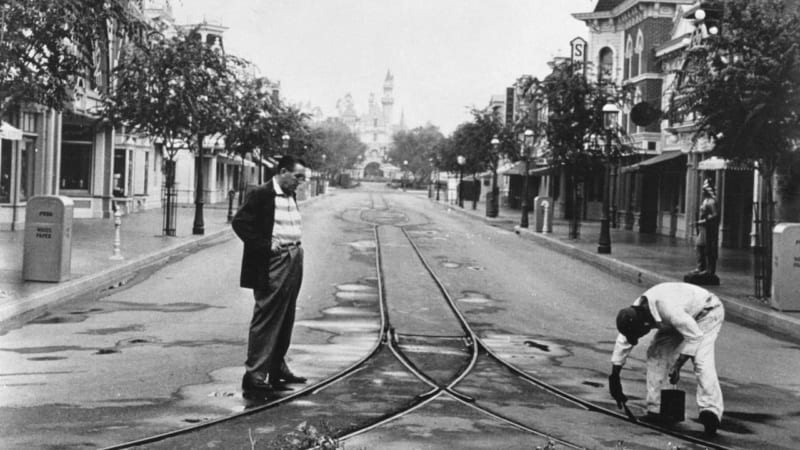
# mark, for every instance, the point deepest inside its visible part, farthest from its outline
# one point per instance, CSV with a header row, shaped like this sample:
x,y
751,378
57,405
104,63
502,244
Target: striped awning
x,y
648,163
717,163
10,132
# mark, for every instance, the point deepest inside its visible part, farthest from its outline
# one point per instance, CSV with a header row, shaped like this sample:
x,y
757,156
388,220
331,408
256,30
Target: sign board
x,y
786,267
510,95
47,250
578,48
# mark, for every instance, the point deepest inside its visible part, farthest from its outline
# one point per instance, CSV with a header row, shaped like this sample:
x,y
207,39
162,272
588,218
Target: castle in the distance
x,y
375,129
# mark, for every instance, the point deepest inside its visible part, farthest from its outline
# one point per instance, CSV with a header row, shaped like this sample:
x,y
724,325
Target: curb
x,y
761,319
26,307
103,279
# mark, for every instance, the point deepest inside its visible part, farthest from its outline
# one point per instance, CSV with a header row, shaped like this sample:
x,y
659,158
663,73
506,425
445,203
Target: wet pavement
x,y
648,259
347,328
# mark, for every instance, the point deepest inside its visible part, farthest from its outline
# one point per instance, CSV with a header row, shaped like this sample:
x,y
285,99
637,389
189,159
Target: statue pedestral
x,y
701,278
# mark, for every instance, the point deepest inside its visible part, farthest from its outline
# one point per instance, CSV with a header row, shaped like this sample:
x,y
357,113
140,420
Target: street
x,y
165,351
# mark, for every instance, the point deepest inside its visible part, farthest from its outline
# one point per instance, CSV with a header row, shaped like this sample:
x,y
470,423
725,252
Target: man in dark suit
x,y
272,266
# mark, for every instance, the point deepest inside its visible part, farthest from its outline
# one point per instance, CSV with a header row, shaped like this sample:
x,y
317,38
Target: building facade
x,y
75,154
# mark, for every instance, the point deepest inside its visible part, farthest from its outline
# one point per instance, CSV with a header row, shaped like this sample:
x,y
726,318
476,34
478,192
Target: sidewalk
x,y
643,258
648,259
92,270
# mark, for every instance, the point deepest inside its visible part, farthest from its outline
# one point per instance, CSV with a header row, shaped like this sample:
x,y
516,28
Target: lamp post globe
x,y
285,138
610,114
405,174
461,160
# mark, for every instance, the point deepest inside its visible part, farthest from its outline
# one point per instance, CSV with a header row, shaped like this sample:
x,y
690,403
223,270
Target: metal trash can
x,y
47,250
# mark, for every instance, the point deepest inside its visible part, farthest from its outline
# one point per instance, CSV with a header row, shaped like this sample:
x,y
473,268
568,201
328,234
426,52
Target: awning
x,y
518,168
717,163
8,131
544,170
234,160
648,163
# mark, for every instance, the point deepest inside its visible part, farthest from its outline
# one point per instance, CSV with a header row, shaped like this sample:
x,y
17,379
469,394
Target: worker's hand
x,y
674,375
615,388
675,371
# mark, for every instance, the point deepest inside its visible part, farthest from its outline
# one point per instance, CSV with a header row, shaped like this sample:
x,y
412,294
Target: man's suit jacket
x,y
253,223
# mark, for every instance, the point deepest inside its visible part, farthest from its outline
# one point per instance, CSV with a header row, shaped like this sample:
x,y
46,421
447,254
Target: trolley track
x,y
472,351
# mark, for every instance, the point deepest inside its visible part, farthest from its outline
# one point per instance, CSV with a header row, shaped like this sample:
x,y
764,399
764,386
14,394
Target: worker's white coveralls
x,y
689,319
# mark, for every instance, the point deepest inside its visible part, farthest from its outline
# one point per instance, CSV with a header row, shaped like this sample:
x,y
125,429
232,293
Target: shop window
x,y
5,171
76,166
129,179
146,172
606,64
118,187
27,168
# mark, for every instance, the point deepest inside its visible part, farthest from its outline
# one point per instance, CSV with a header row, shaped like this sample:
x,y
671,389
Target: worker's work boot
x,y
709,421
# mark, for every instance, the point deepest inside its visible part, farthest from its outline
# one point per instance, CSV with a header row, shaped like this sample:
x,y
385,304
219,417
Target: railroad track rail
x,y
465,351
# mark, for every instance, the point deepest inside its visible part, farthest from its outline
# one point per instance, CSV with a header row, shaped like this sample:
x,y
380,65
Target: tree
x,y
576,135
45,46
338,143
176,90
742,85
417,146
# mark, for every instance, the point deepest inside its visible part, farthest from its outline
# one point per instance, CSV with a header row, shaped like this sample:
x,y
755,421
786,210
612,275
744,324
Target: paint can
x,y
673,405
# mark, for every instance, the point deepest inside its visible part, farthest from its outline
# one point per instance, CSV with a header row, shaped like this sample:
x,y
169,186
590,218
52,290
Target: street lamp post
x,y
492,206
438,172
405,174
324,172
198,227
461,160
610,113
525,150
286,138
430,179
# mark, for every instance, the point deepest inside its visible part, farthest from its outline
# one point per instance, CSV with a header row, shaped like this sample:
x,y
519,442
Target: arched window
x,y
628,56
639,50
606,57
637,98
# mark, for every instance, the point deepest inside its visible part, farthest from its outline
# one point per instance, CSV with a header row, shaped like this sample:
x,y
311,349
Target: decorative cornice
x,y
630,12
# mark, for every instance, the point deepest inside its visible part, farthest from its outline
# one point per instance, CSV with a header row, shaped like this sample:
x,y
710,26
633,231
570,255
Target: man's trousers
x,y
273,314
663,352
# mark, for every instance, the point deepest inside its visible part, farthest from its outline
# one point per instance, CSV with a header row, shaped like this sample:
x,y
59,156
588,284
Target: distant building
x,y
375,128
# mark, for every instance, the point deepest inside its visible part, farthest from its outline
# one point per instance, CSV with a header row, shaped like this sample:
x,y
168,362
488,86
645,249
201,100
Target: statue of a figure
x,y
707,239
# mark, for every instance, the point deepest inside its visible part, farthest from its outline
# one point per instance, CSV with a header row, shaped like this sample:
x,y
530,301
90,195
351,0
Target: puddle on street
x,y
356,295
341,326
475,300
47,358
354,333
523,351
354,287
348,311
107,331
363,246
450,265
52,318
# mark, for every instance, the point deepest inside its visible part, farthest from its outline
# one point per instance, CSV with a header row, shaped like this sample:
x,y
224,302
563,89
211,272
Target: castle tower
x,y
388,99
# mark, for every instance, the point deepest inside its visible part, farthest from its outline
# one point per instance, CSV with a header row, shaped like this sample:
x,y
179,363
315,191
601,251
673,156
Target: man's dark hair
x,y
288,162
